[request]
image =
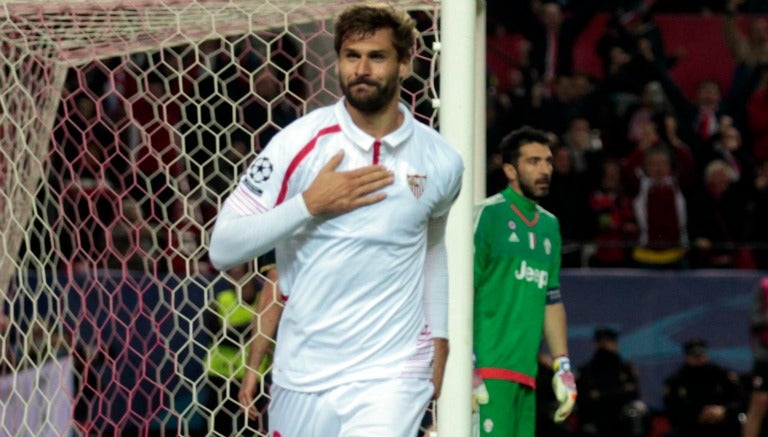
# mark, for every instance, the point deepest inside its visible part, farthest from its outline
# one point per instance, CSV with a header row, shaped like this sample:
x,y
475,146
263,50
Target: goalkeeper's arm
x,y
556,336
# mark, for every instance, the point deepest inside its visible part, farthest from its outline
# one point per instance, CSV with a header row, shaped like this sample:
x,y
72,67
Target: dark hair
x,y
695,347
365,19
511,143
605,333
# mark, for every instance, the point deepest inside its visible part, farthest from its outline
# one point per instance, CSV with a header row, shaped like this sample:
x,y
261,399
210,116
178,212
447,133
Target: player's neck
x,y
380,123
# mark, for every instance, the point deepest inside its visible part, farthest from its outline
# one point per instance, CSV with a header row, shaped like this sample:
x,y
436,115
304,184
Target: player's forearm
x,y
438,369
269,310
555,329
238,238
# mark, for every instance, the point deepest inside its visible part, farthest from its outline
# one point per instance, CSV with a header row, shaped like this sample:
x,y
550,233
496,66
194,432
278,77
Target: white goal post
x,y
107,192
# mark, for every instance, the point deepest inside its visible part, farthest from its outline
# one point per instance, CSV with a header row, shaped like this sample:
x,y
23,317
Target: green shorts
x,y
510,411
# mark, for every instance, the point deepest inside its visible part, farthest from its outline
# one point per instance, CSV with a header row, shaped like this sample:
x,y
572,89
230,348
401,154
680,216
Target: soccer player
x,y
517,291
355,198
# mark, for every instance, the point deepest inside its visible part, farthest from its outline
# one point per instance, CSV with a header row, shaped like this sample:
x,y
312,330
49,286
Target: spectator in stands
x,y
553,110
586,147
568,200
610,403
684,162
507,53
614,219
639,23
758,396
702,398
757,115
621,86
698,119
660,211
652,134
652,102
716,219
748,49
553,35
728,146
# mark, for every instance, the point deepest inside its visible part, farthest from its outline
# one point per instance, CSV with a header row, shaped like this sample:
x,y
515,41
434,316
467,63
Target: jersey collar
x,y
365,141
524,207
523,203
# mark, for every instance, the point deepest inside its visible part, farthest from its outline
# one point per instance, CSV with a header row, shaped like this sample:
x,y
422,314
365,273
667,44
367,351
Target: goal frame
x,y
461,56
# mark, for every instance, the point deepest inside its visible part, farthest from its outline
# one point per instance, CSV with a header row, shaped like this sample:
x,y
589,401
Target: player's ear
x,y
405,69
509,171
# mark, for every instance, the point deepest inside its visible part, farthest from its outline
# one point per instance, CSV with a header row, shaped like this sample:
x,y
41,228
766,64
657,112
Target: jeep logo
x,y
529,274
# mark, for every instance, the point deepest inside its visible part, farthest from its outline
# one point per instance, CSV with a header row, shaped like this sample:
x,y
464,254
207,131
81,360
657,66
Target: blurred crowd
x,y
645,176
700,397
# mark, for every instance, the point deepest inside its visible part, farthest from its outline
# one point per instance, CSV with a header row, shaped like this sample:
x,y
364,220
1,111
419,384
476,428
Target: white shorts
x,y
376,408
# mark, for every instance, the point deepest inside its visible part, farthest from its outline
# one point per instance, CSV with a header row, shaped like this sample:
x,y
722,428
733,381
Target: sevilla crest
x,y
417,183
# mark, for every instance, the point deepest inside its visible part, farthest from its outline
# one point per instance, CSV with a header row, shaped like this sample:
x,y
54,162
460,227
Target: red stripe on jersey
x,y
376,151
507,375
520,214
300,156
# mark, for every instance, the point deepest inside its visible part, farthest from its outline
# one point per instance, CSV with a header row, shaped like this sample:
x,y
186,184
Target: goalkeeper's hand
x,y
479,392
564,386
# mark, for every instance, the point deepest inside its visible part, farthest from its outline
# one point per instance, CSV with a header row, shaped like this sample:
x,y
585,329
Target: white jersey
x,y
355,282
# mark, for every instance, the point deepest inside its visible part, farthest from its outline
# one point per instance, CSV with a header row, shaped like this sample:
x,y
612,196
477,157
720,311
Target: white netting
x,y
123,126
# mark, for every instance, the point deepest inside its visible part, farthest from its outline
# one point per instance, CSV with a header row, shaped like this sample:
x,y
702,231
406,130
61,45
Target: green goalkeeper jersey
x,y
516,274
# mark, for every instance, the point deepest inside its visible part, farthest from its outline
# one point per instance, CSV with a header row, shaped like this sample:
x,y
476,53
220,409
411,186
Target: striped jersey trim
x,y
244,202
507,375
300,157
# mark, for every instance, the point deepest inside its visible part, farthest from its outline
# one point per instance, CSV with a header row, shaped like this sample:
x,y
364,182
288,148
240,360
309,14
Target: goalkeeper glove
x,y
479,392
564,386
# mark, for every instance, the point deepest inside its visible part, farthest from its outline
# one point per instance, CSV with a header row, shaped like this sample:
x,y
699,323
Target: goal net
x,y
123,126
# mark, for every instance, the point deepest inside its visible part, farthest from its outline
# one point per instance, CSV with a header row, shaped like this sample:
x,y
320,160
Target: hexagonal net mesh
x,y
124,124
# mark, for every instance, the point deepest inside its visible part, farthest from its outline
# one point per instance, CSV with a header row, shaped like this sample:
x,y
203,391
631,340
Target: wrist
x,y
561,363
311,210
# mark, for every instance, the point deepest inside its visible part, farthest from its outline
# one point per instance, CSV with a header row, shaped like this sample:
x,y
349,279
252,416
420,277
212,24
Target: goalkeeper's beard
x,y
374,101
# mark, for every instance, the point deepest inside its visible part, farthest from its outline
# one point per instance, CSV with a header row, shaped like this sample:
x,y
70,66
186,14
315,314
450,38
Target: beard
x,y
373,101
529,191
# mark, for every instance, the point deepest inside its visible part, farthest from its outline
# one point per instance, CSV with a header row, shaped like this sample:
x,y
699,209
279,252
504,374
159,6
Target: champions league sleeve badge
x,y
258,172
417,183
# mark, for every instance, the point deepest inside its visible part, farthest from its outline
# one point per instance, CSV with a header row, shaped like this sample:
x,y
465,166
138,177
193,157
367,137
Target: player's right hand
x,y
247,392
564,386
337,192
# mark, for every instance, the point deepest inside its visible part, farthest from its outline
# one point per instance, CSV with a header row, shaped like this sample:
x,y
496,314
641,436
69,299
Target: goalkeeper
x,y
517,292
